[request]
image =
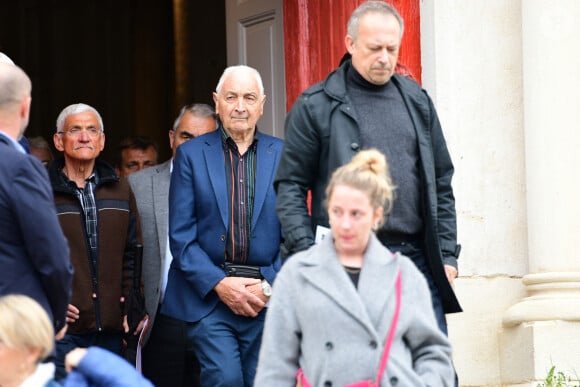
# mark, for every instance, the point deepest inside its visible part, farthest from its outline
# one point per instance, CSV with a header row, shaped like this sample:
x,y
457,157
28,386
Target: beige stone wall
x,y
506,83
475,332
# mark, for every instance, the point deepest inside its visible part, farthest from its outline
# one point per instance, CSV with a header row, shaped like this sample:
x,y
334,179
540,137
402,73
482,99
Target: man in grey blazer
x,y
165,359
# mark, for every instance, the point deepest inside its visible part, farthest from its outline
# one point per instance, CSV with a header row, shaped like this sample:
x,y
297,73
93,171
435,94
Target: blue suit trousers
x,y
227,347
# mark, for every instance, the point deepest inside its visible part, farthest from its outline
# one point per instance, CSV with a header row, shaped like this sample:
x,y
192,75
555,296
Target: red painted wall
x,y
314,32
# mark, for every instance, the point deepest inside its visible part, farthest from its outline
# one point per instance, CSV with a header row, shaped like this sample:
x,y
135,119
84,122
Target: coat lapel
x,y
160,183
377,282
367,304
340,288
265,162
214,159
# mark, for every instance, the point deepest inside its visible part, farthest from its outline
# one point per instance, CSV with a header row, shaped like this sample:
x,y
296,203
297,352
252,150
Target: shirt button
x,y
328,383
223,238
394,381
373,344
329,346
354,146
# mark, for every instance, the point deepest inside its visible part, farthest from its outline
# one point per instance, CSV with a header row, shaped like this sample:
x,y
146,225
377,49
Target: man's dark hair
x,y
137,142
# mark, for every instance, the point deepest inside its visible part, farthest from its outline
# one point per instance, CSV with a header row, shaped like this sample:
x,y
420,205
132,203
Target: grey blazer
x,y
151,189
318,321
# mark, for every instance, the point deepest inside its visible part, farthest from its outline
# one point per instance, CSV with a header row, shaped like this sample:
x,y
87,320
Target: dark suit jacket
x,y
198,223
151,189
34,254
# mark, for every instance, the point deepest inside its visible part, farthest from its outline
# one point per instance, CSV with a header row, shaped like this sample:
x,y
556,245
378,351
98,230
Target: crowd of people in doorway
x,y
213,268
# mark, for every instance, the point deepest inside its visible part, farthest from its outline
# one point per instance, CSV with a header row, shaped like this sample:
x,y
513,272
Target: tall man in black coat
x,y
361,105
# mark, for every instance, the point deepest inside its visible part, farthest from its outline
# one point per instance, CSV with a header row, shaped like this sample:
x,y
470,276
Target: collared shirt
x,y
86,197
241,182
14,143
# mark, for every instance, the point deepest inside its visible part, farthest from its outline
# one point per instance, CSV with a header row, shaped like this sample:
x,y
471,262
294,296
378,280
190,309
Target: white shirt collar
x,y
43,374
15,143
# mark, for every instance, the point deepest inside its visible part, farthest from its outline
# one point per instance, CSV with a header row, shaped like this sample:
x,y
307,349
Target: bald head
x,y
14,84
5,58
15,88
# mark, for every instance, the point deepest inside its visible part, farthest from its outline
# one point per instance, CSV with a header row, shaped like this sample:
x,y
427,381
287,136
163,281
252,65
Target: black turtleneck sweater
x,y
385,124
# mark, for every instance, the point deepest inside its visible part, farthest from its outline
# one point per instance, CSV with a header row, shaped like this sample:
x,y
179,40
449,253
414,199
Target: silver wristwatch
x,y
266,288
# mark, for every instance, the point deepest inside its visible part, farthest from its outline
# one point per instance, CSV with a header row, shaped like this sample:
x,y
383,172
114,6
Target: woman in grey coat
x,y
332,305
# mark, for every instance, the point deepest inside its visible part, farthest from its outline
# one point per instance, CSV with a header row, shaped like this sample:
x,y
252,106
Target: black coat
x,y
322,133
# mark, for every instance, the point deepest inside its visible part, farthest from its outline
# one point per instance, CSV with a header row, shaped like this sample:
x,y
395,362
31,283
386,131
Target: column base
x,y
552,296
528,351
542,330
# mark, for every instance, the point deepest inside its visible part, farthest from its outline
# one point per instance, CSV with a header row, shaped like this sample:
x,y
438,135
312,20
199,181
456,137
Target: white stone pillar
x,y
543,329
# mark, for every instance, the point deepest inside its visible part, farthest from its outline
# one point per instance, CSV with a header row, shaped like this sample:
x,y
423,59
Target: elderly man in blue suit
x,y
34,254
224,233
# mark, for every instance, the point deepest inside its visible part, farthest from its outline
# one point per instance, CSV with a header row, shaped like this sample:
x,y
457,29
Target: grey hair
x,y
240,68
371,7
200,110
76,109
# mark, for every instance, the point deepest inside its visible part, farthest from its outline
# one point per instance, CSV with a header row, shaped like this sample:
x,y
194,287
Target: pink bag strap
x,y
391,335
303,382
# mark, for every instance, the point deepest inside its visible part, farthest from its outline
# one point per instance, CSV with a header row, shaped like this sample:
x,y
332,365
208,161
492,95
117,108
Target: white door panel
x,y
255,37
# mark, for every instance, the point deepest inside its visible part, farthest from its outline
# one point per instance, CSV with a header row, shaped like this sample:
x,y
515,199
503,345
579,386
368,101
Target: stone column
x,y
543,329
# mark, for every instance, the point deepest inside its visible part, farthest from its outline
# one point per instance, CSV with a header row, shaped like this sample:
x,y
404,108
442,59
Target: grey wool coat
x,y
318,321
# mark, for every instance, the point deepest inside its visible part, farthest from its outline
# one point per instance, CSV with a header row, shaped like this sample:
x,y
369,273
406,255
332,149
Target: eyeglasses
x,y
75,132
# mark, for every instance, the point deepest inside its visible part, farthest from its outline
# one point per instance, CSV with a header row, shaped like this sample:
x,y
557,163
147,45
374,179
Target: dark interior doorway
x,y
136,61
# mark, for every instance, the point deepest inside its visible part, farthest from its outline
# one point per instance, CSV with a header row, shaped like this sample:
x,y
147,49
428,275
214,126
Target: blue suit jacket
x,y
34,254
198,223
